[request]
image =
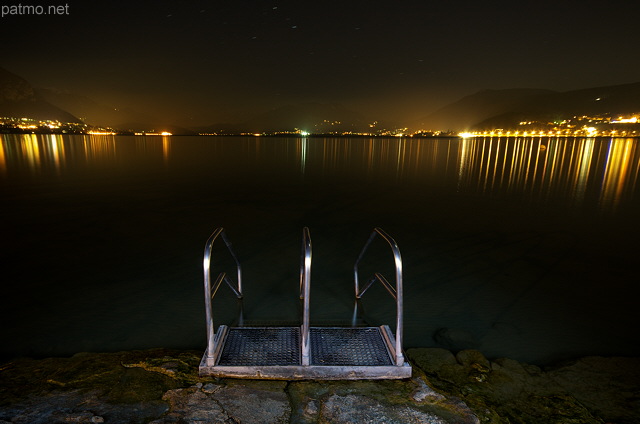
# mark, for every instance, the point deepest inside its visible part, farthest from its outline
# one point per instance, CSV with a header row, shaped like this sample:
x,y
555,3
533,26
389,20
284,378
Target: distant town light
x,y
101,133
621,120
465,134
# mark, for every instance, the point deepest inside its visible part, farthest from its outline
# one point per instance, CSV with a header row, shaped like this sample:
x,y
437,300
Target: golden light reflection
x,y
301,147
57,153
3,158
153,147
166,148
584,157
32,152
619,171
583,169
99,147
29,145
545,167
54,145
396,159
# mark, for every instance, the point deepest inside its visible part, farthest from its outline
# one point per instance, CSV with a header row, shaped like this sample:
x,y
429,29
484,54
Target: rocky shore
x,y
162,386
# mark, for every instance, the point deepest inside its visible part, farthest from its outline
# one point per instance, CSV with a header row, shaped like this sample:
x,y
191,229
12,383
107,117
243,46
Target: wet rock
x,y
261,403
210,387
311,409
450,408
171,367
78,406
306,399
360,409
610,387
138,385
590,390
431,360
82,418
442,365
113,387
424,392
380,401
192,406
475,361
163,388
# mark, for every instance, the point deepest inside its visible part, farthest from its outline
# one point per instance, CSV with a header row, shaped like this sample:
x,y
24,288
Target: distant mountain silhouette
x,y
612,100
97,114
487,109
154,128
490,109
470,110
219,128
19,99
314,117
87,109
311,117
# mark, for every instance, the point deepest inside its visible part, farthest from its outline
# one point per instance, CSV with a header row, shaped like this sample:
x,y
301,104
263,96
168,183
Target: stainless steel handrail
x,y
211,290
305,290
396,292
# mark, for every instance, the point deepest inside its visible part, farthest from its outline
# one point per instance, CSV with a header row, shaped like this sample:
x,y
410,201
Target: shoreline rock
x,y
586,390
161,386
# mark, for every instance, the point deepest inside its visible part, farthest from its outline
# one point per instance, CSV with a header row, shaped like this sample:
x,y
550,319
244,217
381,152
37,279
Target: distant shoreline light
x,y
102,133
582,132
578,126
163,133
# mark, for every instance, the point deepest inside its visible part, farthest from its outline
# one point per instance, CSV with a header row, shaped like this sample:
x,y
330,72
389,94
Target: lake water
x,y
520,247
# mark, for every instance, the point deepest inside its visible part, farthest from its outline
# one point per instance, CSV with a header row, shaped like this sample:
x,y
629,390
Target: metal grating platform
x,y
261,346
275,353
348,346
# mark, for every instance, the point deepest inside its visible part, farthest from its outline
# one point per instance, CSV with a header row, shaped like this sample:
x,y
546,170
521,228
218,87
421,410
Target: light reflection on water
x,y
536,167
503,237
543,167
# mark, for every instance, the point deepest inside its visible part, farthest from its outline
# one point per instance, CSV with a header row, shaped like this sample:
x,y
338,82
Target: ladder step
x,y
348,346
337,353
294,323
264,346
261,346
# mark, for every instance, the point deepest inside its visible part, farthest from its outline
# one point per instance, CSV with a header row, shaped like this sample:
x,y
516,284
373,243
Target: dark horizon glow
x,y
209,62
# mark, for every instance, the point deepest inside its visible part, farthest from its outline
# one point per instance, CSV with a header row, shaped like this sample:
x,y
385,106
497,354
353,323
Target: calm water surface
x,y
522,247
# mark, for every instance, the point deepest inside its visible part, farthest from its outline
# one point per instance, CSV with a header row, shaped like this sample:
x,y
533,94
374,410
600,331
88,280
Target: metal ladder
x,y
304,352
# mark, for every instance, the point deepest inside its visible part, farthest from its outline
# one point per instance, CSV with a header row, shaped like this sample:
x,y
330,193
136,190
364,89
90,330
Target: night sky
x,y
205,62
